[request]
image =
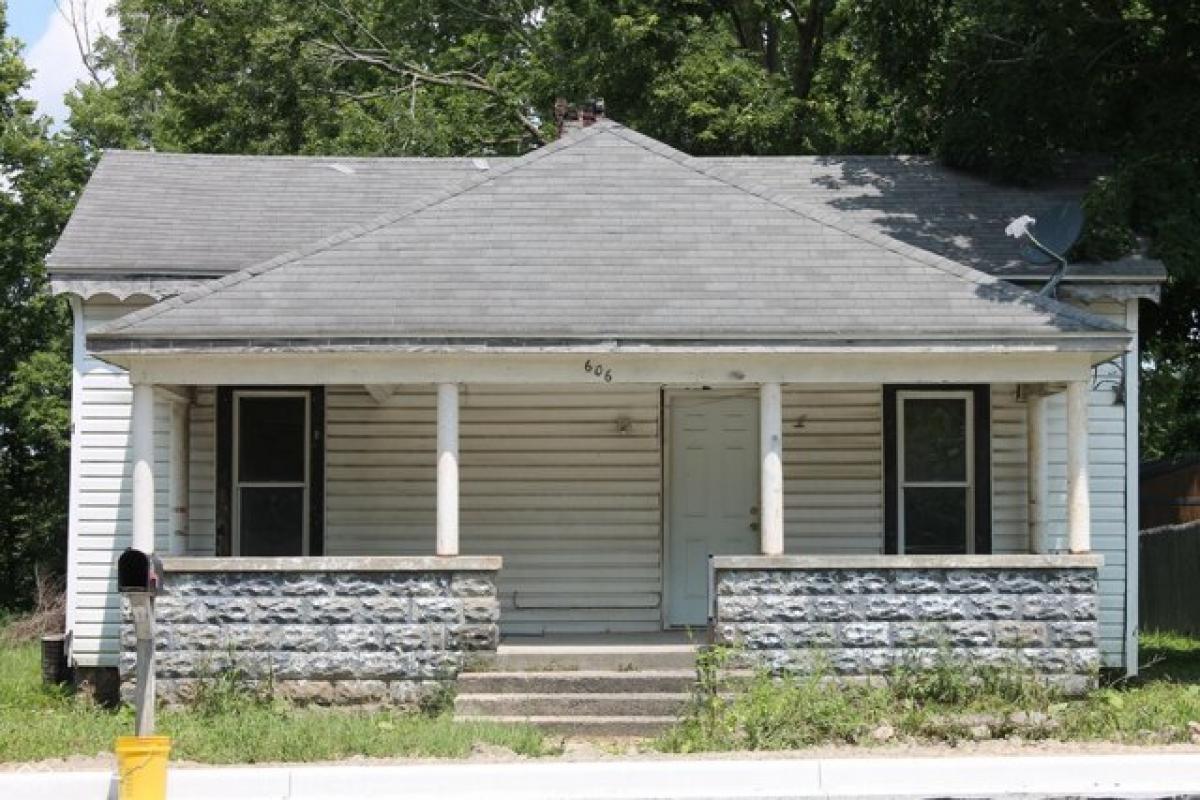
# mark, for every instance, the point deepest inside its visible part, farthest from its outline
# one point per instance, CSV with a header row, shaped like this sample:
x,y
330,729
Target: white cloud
x,y
55,56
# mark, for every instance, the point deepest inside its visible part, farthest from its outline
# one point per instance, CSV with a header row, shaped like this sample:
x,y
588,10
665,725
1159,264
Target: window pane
x,y
271,438
935,520
935,439
272,521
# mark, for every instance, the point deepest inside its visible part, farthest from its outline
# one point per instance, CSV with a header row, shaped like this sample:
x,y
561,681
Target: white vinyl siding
x,y
833,469
549,481
202,473
101,516
1010,471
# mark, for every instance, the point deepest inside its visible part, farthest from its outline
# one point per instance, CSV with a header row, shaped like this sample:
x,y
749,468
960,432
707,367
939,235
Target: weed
x,y
228,689
438,699
945,700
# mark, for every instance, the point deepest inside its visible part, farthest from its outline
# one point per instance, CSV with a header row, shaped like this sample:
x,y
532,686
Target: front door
x,y
713,494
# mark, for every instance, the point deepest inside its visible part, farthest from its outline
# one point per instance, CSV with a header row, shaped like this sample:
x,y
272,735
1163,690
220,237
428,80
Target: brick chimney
x,y
568,116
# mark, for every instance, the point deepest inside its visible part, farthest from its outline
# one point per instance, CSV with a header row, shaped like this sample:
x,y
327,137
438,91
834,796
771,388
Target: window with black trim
x,y
937,463
270,475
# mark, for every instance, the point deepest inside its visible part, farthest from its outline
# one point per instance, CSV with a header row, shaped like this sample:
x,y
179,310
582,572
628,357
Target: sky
x,y
50,48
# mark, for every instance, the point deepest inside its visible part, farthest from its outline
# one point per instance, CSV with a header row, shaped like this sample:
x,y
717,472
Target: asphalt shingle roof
x,y
925,204
183,214
607,234
173,215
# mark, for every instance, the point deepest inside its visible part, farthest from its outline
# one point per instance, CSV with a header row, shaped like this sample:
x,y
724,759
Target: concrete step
x,y
576,681
594,704
536,658
591,726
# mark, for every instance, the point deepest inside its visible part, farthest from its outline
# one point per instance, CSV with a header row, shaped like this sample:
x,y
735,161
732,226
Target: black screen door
x,y
271,473
936,472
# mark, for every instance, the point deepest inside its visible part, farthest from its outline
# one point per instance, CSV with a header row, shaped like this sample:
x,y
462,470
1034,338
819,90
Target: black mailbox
x,y
138,572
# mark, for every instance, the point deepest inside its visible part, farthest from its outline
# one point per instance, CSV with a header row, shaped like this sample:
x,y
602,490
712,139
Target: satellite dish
x,y
1057,228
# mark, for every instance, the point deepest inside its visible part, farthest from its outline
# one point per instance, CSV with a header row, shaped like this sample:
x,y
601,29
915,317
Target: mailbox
x,y
138,572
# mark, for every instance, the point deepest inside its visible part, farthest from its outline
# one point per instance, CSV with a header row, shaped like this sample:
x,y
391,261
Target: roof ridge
x,y
344,235
313,157
863,233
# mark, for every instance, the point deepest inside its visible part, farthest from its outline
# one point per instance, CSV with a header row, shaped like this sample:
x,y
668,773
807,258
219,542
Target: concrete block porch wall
x,y
866,615
329,630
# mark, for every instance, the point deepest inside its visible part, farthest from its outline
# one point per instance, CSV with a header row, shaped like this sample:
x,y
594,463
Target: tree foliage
x,y
1007,89
39,175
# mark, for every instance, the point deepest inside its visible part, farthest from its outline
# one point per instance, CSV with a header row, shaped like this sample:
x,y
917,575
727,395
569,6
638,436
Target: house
x,y
1170,492
382,416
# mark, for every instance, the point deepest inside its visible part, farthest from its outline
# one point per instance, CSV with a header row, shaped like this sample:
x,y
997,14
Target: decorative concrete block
x,y
866,634
912,582
1013,633
338,637
863,622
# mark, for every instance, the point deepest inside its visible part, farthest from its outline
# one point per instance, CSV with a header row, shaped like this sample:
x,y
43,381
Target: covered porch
x,y
618,492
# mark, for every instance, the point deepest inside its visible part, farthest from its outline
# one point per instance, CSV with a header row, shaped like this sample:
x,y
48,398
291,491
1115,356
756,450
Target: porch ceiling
x,y
605,235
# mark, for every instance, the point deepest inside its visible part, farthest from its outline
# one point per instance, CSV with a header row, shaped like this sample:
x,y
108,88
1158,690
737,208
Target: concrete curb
x,y
1012,776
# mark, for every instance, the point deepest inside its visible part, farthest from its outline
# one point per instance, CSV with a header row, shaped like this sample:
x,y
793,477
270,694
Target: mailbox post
x,y
139,578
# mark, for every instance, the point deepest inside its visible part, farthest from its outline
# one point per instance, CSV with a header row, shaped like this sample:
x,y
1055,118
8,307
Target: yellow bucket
x,y
142,767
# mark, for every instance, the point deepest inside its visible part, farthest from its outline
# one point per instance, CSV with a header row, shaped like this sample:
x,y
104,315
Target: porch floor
x,y
600,643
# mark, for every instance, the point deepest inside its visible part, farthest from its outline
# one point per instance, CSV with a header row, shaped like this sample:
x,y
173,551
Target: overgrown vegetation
x,y
230,723
949,703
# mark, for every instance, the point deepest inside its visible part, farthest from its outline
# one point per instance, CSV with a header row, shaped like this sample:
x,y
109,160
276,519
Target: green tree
x,y
1007,89
39,175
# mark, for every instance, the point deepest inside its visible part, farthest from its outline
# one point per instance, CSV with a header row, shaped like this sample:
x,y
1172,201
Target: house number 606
x,y
598,370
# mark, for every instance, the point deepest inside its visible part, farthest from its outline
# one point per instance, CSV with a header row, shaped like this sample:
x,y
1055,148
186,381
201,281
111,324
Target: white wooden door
x,y
713,494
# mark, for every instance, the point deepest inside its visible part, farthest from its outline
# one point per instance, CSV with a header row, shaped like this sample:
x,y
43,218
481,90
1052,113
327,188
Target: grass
x,y
950,703
232,728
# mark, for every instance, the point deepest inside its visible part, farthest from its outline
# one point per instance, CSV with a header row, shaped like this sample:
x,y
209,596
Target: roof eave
x,y
1082,341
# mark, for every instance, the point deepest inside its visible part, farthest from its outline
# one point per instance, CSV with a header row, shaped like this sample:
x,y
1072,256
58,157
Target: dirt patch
x,y
616,749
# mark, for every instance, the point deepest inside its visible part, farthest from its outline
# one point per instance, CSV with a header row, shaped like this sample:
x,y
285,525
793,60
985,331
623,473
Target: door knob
x,y
753,526
753,509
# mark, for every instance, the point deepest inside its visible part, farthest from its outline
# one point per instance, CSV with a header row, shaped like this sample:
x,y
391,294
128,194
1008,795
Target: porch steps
x,y
616,727
602,688
616,657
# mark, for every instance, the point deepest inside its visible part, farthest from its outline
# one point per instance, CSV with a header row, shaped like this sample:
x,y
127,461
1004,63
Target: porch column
x,y
141,445
1079,525
1035,430
447,469
770,417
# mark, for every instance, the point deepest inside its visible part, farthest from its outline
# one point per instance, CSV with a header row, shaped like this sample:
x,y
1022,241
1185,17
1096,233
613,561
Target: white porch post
x,y
1036,432
142,451
1079,530
447,469
770,417
141,445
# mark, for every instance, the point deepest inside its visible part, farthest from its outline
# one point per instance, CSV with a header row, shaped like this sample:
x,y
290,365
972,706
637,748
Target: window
x,y
937,464
269,470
